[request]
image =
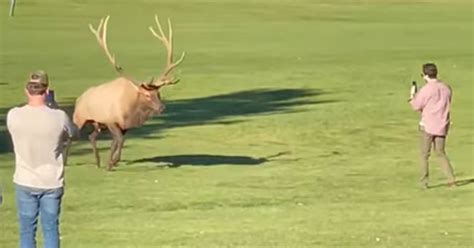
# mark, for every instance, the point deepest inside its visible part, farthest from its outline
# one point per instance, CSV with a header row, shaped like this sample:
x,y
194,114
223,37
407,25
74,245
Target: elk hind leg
x,y
92,138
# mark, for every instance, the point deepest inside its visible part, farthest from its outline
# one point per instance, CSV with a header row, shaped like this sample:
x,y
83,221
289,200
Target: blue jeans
x,y
46,203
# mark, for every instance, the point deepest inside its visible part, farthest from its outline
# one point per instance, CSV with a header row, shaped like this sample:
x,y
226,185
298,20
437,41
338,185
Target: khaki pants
x,y
438,143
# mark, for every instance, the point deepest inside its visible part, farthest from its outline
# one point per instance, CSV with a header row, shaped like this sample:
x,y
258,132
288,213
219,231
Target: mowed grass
x,y
290,127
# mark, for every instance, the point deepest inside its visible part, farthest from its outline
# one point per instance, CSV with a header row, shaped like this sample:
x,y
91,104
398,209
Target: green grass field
x,y
290,127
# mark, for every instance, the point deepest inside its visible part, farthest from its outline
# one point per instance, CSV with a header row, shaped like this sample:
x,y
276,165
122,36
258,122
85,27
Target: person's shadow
x,y
458,183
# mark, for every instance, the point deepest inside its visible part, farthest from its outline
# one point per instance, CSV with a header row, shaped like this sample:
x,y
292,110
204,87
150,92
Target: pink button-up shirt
x,y
433,100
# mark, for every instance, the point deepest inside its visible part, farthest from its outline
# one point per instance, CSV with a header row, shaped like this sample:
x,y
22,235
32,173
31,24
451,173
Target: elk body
x,y
122,103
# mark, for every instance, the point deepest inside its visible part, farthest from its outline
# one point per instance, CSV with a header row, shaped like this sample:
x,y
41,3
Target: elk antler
x,y
168,42
101,35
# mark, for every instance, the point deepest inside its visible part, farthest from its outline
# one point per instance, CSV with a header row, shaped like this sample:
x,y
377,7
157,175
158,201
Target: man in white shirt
x,y
37,132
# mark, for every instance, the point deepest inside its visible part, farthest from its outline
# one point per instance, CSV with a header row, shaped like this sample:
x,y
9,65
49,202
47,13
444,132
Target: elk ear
x,y
144,92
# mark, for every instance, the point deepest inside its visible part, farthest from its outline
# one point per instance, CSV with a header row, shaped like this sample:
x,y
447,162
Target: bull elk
x,y
123,103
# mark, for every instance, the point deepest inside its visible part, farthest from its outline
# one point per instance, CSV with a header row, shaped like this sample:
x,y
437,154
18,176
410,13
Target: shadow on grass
x,y
223,109
5,139
459,183
206,160
231,108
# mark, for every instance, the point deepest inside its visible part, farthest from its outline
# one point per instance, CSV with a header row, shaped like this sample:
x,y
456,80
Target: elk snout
x,y
161,108
158,108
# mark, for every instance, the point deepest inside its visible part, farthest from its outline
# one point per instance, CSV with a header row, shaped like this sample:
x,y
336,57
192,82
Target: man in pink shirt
x,y
433,101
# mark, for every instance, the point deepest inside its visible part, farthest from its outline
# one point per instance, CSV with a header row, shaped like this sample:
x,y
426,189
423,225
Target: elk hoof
x,y
111,165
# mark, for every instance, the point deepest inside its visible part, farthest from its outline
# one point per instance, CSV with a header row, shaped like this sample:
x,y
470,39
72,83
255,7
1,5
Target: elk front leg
x,y
92,139
116,146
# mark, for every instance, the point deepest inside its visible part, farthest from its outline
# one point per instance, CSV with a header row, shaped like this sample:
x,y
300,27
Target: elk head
x,y
149,98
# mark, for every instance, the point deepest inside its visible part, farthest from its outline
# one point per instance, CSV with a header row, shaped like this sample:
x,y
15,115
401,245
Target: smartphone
x,y
415,87
50,101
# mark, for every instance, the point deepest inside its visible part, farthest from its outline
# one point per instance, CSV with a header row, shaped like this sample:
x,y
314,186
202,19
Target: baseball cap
x,y
40,77
38,81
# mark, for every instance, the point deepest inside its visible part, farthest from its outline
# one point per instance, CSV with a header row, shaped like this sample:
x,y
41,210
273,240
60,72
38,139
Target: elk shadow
x,y
230,108
206,160
5,139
